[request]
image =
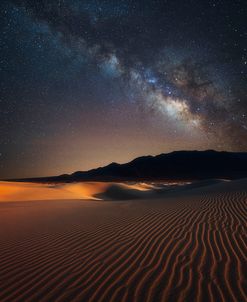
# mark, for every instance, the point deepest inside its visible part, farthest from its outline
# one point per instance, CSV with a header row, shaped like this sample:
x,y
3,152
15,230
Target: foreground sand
x,y
185,246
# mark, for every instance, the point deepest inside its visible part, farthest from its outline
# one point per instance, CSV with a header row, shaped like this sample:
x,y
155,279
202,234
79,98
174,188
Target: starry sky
x,y
86,83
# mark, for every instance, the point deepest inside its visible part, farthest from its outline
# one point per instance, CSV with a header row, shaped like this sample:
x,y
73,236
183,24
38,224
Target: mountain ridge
x,y
176,165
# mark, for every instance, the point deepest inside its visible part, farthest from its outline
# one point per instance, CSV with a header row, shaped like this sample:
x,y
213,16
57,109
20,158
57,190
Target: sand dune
x,y
187,246
21,191
27,191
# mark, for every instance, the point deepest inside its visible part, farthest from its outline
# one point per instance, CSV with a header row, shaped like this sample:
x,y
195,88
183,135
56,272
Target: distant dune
x,y
24,191
187,244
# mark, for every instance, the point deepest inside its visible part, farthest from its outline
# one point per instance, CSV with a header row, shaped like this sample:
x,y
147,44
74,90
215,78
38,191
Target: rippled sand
x,y
183,246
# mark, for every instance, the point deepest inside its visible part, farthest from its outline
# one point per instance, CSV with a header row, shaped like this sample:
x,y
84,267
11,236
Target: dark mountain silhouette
x,y
178,165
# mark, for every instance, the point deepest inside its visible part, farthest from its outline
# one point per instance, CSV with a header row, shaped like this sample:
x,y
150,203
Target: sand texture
x,y
188,245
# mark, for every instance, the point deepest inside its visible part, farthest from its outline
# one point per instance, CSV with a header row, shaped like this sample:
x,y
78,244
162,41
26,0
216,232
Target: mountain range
x,y
177,165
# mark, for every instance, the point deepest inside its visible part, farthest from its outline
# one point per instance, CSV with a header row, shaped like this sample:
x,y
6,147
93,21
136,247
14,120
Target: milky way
x,y
131,77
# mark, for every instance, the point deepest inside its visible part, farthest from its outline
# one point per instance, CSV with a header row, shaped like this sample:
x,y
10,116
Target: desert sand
x,y
81,244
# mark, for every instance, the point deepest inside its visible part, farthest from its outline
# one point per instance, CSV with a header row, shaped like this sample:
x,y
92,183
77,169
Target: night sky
x,y
86,83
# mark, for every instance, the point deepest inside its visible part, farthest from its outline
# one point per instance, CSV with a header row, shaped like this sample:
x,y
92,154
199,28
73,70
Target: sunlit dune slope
x,y
20,191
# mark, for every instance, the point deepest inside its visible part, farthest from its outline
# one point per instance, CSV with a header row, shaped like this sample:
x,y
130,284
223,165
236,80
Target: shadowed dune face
x,y
191,246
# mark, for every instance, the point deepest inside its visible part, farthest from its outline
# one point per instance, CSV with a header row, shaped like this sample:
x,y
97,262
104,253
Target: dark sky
x,y
85,83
